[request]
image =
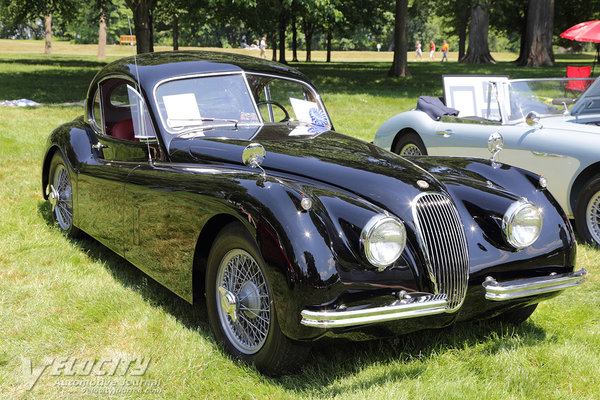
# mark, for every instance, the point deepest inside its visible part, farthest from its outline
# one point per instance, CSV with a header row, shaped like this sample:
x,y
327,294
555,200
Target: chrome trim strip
x,y
406,308
501,291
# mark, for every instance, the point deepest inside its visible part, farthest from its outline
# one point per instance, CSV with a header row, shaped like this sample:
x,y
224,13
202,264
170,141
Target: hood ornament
x,y
495,145
422,184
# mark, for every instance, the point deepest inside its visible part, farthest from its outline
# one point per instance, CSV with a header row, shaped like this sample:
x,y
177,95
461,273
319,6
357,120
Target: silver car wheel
x,y
410,149
61,197
243,302
592,217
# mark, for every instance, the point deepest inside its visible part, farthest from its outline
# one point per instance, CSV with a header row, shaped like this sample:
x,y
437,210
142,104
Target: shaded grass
x,y
60,297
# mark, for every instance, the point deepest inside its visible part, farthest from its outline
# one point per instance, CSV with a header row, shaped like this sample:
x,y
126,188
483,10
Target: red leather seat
x,y
124,130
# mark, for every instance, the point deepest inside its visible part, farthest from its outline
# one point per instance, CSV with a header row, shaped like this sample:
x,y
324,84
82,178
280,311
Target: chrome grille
x,y
443,240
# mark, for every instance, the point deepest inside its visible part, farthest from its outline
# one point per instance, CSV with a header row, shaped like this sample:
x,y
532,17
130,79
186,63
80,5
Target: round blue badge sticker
x,y
318,117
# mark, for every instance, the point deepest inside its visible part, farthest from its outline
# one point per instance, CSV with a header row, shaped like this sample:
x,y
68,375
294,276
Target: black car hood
x,y
329,157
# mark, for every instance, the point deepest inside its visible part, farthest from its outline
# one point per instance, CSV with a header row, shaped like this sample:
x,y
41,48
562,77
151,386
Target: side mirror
x,y
253,156
532,119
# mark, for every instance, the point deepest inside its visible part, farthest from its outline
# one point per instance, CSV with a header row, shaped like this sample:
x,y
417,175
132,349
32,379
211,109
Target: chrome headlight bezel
x,y
369,233
508,223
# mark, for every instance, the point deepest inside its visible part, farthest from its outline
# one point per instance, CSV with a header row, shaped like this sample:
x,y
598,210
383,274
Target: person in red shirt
x,y
431,50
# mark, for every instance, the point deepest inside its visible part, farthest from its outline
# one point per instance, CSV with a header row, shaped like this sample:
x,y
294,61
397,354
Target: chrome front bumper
x,y
509,290
430,304
408,307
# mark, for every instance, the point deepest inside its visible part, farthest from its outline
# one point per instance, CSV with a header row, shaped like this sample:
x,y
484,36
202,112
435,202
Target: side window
x,y
96,113
121,112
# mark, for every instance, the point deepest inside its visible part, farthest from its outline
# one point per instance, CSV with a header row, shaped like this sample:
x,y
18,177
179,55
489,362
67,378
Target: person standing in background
x,y
431,50
418,52
263,46
445,49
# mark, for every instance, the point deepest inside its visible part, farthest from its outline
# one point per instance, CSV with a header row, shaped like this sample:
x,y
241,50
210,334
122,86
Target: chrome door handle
x,y
99,146
445,132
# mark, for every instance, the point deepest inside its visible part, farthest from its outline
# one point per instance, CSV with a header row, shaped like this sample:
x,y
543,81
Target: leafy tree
x,y
400,64
478,51
142,17
22,11
455,16
537,50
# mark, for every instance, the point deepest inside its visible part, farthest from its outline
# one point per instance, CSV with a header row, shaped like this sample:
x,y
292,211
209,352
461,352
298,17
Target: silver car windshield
x,y
544,96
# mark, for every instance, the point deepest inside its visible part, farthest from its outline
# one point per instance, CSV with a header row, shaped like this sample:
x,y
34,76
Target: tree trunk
x,y
282,26
537,51
175,32
479,51
48,29
294,39
462,31
400,64
102,35
329,45
142,19
308,28
273,38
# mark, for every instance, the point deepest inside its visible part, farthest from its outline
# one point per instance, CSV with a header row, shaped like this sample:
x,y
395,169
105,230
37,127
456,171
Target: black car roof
x,y
154,67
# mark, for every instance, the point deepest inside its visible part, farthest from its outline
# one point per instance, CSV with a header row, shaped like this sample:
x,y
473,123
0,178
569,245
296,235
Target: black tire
x,y
517,316
410,144
587,212
60,194
251,336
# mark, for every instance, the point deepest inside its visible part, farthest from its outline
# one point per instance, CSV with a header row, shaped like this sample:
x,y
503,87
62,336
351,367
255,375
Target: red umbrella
x,y
588,31
583,32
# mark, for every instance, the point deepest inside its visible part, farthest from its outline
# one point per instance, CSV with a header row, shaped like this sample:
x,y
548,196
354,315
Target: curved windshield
x,y
543,96
192,106
203,102
280,100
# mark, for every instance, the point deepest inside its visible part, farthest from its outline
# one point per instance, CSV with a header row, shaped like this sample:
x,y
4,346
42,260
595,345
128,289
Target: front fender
x,y
483,190
415,120
313,256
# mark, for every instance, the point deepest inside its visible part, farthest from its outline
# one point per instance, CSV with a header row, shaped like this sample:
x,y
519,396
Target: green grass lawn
x,y
65,298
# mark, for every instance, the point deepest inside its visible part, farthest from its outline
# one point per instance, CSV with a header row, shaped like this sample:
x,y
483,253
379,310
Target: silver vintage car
x,y
548,126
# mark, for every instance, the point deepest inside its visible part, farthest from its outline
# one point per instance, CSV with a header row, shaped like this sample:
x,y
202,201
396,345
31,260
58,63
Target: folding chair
x,y
578,72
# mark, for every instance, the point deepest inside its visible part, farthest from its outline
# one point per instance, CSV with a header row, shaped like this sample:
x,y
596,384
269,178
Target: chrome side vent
x,y
442,238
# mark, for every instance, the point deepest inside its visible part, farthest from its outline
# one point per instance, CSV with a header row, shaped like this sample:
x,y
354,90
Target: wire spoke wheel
x,y
592,217
410,149
243,302
62,197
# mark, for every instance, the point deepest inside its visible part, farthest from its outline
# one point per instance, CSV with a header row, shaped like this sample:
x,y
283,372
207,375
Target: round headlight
x,y
383,239
522,224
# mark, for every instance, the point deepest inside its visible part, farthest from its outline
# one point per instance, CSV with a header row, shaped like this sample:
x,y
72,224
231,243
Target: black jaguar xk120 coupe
x,y
221,176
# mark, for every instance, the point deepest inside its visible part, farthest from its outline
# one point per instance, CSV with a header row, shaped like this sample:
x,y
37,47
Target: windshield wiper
x,y
195,122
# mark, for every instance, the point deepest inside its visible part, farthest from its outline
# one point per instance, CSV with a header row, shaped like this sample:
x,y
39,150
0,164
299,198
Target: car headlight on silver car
x,y
522,224
383,240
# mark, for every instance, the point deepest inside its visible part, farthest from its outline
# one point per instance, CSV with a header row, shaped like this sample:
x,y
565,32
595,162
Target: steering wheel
x,y
287,115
